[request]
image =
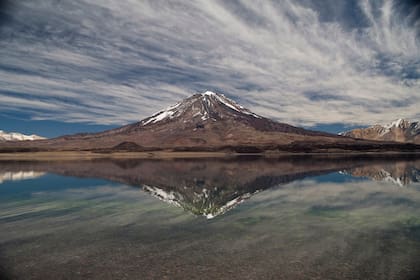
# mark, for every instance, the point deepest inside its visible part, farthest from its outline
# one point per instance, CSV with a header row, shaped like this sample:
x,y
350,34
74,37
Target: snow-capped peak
x,y
397,123
209,93
201,106
229,103
400,130
15,136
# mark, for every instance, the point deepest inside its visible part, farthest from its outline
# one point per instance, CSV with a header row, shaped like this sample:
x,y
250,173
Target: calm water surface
x,y
290,218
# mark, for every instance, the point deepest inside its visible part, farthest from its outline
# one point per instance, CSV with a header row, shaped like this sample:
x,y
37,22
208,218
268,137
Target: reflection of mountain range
x,y
399,173
211,187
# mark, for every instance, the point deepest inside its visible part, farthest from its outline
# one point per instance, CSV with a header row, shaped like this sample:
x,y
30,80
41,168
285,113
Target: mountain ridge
x,y
400,130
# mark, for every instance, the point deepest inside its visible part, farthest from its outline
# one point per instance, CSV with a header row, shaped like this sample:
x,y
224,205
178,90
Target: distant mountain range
x,y
399,131
206,122
15,136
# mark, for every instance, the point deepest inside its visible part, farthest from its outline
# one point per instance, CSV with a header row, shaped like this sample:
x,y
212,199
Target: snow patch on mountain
x,y
400,123
231,104
15,136
209,93
161,115
396,123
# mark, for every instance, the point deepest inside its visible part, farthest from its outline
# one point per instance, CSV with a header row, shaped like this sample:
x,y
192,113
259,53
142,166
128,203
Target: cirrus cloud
x,y
114,62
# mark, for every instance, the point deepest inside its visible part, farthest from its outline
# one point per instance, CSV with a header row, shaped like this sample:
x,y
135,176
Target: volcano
x,y
205,122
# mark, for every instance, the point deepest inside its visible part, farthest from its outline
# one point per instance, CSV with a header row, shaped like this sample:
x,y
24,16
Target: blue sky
x,y
88,65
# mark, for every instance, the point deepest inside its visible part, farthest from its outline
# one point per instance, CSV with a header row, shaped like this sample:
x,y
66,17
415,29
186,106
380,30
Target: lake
x,y
296,217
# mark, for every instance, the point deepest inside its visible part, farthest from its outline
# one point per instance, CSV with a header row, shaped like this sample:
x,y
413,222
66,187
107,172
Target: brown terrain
x,y
207,122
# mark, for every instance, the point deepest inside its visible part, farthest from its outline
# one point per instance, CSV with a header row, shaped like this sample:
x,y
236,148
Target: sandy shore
x,y
85,155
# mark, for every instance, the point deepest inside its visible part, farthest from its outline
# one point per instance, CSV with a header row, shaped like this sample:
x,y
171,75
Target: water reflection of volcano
x,y
211,187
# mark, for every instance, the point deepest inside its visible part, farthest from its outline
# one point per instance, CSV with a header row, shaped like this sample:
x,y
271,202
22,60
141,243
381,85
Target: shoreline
x,y
88,155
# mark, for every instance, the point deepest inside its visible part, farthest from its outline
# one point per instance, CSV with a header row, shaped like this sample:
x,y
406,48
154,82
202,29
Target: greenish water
x,y
294,218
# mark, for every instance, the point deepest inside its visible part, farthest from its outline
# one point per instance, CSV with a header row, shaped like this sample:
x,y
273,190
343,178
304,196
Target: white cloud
x,y
117,62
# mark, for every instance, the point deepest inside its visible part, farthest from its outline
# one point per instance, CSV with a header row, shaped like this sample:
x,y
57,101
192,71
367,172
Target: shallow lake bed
x,y
249,218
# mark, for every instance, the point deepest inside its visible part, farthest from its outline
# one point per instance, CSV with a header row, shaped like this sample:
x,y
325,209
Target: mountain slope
x,y
15,136
203,122
399,131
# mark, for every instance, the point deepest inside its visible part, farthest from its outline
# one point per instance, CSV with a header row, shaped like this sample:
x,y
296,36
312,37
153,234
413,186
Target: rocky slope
x,y
399,131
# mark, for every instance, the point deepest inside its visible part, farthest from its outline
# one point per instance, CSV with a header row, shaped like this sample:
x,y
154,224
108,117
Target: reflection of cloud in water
x,y
101,191
19,175
345,197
